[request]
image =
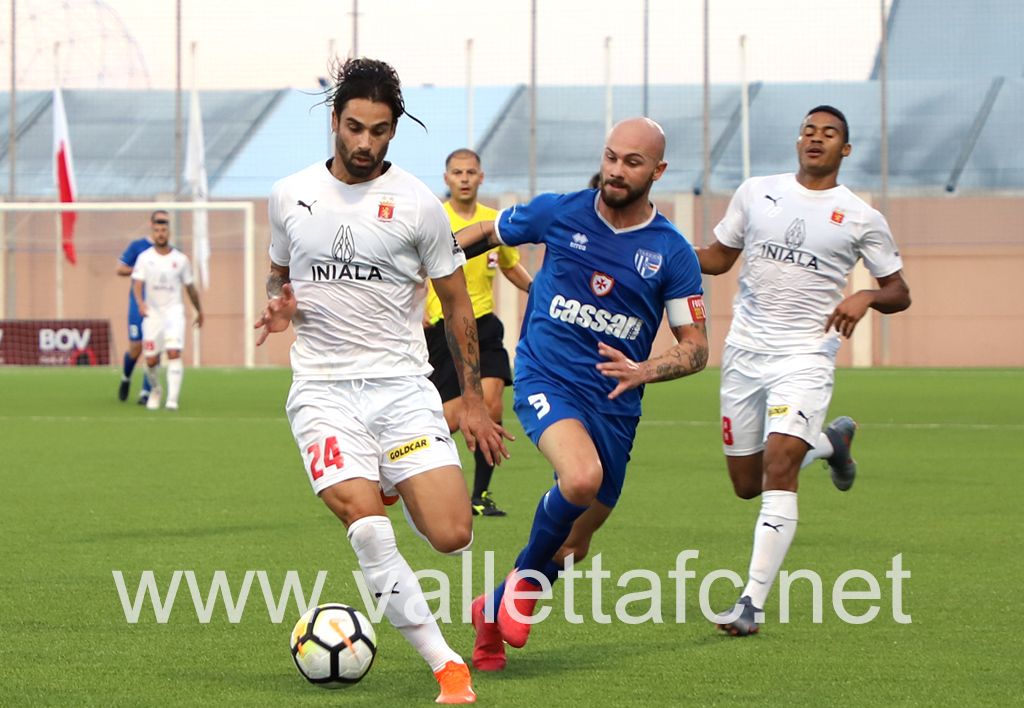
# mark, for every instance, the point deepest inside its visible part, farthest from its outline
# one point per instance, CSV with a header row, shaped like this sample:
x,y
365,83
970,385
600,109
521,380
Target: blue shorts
x,y
539,402
134,321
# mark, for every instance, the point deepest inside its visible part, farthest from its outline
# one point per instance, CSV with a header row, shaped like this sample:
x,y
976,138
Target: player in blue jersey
x,y
158,223
612,266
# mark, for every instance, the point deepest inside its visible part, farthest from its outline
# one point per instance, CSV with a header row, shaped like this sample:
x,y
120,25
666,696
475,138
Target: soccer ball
x,y
334,645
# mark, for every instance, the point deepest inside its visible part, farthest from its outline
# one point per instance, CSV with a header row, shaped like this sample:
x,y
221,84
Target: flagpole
x,y
58,216
197,338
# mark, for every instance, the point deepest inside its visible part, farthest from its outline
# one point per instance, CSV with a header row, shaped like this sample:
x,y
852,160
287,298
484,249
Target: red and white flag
x,y
64,172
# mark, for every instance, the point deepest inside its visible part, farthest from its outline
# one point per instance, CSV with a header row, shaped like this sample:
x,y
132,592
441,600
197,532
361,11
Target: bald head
x,y
640,135
633,160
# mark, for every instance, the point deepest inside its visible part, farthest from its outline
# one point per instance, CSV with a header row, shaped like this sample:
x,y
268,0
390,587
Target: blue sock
x,y
551,526
145,384
129,366
550,570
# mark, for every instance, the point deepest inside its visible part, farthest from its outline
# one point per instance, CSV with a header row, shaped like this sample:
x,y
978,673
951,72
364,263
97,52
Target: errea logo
x,y
579,241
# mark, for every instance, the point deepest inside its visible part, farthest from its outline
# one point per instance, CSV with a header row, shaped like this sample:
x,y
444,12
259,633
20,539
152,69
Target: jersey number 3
x,y
540,402
332,457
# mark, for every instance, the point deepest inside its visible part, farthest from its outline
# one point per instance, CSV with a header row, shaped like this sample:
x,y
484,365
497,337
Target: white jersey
x,y
358,258
164,276
799,245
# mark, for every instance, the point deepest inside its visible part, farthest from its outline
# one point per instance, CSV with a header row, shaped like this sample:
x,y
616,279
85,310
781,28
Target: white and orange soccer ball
x,y
333,645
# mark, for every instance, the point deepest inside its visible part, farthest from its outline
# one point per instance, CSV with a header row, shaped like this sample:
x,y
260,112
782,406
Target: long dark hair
x,y
370,79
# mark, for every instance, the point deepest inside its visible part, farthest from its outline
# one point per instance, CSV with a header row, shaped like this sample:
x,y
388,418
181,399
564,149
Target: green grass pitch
x,y
89,485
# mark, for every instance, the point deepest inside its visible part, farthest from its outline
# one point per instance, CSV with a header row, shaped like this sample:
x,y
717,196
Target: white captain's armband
x,y
684,311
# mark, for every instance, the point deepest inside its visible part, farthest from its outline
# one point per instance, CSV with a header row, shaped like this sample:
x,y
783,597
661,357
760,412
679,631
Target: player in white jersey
x,y
353,241
800,236
165,271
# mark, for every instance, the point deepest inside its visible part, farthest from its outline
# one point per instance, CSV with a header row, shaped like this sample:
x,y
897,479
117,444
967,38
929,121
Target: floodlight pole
x,y
7,265
647,24
533,98
355,29
745,106
705,194
197,335
469,94
883,76
176,218
608,102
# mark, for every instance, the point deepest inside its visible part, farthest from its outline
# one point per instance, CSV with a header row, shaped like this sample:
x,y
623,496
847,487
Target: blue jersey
x,y
597,284
130,255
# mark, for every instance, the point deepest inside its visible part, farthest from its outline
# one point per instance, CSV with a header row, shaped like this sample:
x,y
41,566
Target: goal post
x,y
246,209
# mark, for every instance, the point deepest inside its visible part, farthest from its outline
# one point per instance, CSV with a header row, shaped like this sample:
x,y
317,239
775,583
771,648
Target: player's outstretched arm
x,y
688,356
477,238
282,306
717,258
193,295
460,330
891,296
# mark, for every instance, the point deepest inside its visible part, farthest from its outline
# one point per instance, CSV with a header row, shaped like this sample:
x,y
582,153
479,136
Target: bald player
x,y
612,266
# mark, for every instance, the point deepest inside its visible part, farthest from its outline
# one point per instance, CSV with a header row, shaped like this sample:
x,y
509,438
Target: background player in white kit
x,y
165,271
353,241
800,236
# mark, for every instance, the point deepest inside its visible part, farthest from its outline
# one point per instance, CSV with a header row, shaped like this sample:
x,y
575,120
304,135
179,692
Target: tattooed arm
x,y
687,357
281,308
460,330
193,295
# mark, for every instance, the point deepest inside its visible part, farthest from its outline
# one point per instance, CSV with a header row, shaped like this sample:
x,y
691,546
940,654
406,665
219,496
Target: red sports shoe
x,y
514,632
489,648
456,686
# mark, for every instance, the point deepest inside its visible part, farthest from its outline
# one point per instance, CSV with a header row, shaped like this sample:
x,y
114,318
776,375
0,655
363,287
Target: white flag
x,y
195,173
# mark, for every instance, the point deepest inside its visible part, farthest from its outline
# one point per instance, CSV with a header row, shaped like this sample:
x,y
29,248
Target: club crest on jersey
x,y
601,284
796,233
647,263
344,247
492,260
386,209
837,216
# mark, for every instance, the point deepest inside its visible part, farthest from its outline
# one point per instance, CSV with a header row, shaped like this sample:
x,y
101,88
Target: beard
x,y
632,195
357,170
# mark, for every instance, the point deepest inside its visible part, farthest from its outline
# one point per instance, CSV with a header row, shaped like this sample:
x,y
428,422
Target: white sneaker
x,y
153,403
171,405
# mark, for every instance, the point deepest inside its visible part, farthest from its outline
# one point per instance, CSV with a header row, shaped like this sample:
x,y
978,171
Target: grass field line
x,y
903,426
283,419
144,418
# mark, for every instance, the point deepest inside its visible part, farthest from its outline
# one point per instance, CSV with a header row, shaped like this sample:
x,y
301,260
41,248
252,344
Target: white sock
x,y
175,373
776,526
384,570
822,449
153,376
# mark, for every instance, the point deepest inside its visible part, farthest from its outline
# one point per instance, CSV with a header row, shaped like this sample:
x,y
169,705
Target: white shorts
x,y
163,331
384,430
773,393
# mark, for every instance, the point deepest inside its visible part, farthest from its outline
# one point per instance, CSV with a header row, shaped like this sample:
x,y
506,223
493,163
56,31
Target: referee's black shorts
x,y
493,357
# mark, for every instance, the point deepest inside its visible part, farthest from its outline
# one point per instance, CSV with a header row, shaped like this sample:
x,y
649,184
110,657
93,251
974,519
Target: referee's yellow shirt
x,y
480,270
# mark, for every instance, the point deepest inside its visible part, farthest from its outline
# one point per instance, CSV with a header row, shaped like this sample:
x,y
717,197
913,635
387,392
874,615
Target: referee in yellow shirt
x,y
464,177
